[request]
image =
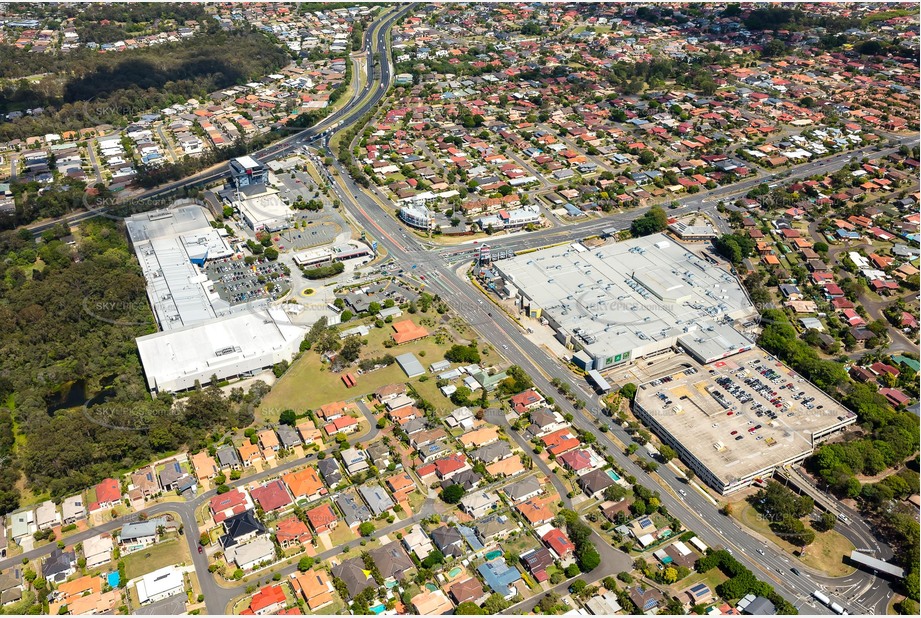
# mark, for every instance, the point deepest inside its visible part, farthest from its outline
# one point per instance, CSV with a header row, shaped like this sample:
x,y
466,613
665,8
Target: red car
x,y
733,432
201,549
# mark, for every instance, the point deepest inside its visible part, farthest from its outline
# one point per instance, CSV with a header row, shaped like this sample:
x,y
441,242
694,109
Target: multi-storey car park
x,y
622,301
738,419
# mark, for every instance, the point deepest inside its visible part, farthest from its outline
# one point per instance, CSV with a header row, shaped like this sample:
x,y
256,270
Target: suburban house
x,y
272,496
523,490
305,484
98,550
478,504
528,400
269,600
228,458
537,561
449,541
73,509
137,535
292,532
204,465
493,527
500,577
353,574
377,498
645,599
330,471
228,504
315,587
108,494
468,591
322,518
392,561
401,485
431,603
352,510
594,483
160,584
59,565
417,542
557,541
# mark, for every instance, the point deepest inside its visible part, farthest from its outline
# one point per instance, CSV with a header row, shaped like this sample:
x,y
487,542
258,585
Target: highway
x,y
362,100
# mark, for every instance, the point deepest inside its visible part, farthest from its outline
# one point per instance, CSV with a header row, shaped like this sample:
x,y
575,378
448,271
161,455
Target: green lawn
x,y
292,390
826,554
155,557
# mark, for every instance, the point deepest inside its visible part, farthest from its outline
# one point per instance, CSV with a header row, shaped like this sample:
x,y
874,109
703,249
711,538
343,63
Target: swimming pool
x,y
378,609
454,572
494,554
431,587
614,476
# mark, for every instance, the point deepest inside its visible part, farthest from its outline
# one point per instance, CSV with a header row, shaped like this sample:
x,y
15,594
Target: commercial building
x,y
170,246
720,419
261,208
229,347
417,216
247,171
623,301
322,256
160,584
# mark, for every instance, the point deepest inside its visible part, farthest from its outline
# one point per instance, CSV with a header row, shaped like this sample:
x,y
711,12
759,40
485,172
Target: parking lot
x,y
740,415
238,282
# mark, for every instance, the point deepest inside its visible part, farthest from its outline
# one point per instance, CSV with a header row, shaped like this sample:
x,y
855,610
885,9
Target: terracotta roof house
x,y
305,483
108,494
292,532
271,496
535,511
401,485
431,603
204,465
528,400
315,588
322,518
559,543
479,437
267,601
228,504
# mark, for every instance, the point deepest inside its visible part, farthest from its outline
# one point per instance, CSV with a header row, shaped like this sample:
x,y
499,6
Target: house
x,y
10,587
756,606
343,425
417,542
204,465
698,594
561,441
461,417
406,331
22,523
401,485
288,437
499,577
557,541
644,598
46,515
524,489
322,518
305,484
535,511
480,437
392,561
376,498
73,509
249,555
355,460
330,471
174,478
389,391
544,422
309,433
605,604
292,532
379,454
468,479
578,461
137,535
269,600
315,588
449,541
108,494
493,527
353,574
271,496
492,453
431,603
506,467
228,504
97,550
228,458
478,504
449,466
595,482
537,561
895,397
611,510
353,511
250,453
160,584
242,528
468,591
59,565
528,400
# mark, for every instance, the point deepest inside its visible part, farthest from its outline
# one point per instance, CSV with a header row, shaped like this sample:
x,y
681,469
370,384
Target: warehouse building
x,y
623,301
228,347
721,421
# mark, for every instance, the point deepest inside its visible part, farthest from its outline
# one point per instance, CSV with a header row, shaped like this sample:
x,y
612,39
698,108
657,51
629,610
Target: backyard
x,y
155,557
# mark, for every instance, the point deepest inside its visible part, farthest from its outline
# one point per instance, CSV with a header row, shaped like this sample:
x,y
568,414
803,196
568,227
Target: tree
x,y
825,522
288,417
469,608
305,564
572,570
366,528
271,253
628,391
452,494
667,453
655,220
351,348
578,586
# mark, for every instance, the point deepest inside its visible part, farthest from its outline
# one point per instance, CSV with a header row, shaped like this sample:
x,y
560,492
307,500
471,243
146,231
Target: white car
x,y
682,492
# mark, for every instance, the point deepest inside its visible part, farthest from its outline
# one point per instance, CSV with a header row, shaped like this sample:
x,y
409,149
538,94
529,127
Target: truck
x,y
821,597
837,609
